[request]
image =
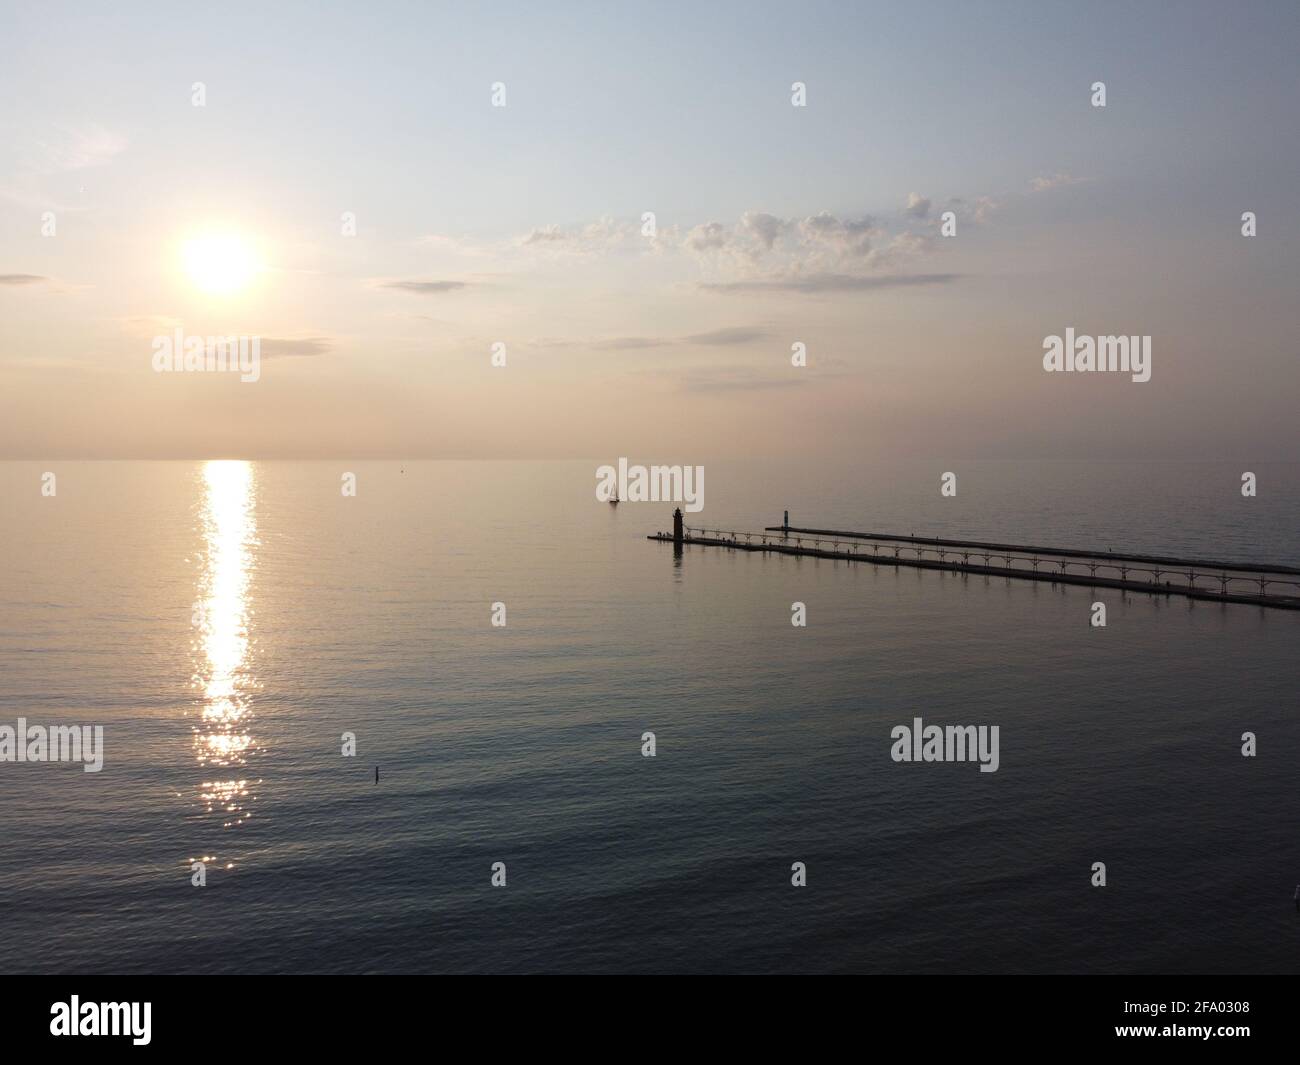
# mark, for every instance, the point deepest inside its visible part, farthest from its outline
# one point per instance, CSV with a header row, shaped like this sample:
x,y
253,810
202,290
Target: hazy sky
x,y
774,224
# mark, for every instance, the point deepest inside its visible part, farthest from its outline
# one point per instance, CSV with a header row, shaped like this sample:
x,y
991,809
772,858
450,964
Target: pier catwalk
x,y
1258,584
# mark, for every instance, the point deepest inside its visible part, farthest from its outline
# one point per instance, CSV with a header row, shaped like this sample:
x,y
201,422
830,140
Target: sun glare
x,y
220,264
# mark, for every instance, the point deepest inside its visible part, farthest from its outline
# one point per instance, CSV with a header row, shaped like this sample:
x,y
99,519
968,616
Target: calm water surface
x,y
227,622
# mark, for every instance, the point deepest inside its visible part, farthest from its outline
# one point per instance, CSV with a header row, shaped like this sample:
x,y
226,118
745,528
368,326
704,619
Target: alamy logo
x,y
229,354
102,1018
58,743
1071,354
955,743
654,484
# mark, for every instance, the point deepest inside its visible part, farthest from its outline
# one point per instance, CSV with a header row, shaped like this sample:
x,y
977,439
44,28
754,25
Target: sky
x,y
524,225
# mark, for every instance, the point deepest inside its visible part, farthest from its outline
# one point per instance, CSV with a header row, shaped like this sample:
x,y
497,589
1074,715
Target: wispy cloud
x,y
547,235
726,337
22,279
591,238
279,347
630,343
270,347
814,283
60,149
47,153
1054,181
759,251
424,288
732,336
978,210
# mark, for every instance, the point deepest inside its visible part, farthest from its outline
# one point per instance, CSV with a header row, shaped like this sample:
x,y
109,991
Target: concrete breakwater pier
x,y
1259,584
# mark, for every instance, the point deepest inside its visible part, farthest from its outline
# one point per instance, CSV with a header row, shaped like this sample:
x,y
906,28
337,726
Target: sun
x,y
220,264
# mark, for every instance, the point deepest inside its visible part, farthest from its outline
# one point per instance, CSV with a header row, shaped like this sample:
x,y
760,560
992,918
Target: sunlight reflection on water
x,y
222,738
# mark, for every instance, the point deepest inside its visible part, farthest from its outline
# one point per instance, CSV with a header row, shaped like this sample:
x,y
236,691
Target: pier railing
x,y
1075,568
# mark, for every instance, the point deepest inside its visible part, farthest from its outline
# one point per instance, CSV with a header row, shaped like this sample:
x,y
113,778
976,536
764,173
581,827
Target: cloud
x,y
59,150
152,325
22,279
279,347
46,154
282,347
732,336
817,243
766,228
725,337
828,282
851,237
1054,181
918,206
708,236
900,249
602,235
822,243
631,343
546,235
764,251
977,210
424,288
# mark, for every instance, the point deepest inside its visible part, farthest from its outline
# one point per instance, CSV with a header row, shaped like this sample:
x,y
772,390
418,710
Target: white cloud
x,y
708,236
848,236
593,238
1054,181
546,235
977,210
766,228
60,150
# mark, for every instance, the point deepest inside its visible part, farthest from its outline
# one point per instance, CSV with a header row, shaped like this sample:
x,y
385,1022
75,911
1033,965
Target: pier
x,y
1256,584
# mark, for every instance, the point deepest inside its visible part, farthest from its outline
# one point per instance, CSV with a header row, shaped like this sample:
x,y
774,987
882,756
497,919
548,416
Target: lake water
x,y
227,623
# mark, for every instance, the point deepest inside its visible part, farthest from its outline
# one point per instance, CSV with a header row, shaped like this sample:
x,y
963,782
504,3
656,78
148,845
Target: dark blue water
x,y
319,615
